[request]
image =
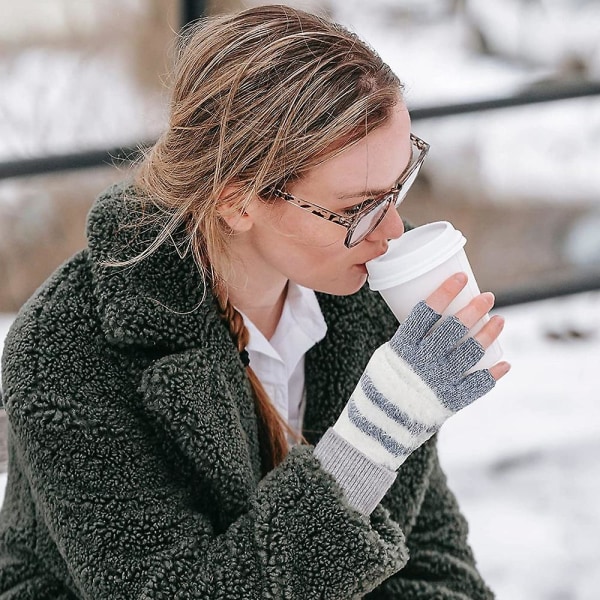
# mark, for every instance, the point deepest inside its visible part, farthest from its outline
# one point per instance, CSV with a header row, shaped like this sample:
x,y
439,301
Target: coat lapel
x,y
160,302
196,391
202,403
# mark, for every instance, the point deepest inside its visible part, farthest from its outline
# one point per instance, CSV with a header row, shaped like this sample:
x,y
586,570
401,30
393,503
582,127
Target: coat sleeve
x,y
441,563
125,531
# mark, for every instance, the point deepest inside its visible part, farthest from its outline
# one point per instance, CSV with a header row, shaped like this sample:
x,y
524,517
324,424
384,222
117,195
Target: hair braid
x,y
272,428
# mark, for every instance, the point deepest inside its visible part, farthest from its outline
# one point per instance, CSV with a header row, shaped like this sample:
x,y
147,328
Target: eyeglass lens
x,y
369,221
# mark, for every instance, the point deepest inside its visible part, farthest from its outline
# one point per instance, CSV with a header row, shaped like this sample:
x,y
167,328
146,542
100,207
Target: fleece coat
x,y
134,460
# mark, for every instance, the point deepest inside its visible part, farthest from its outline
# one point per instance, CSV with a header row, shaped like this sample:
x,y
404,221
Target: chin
x,y
344,288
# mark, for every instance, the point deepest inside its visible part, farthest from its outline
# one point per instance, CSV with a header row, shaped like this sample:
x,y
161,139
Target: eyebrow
x,y
362,194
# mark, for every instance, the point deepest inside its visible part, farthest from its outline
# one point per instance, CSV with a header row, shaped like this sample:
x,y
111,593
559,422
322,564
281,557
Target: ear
x,y
229,210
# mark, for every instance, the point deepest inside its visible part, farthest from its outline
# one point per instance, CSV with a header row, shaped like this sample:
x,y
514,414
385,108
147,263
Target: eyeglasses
x,y
363,218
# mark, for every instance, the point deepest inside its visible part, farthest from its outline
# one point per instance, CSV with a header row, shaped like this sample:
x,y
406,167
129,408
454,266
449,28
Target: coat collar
x,y
159,302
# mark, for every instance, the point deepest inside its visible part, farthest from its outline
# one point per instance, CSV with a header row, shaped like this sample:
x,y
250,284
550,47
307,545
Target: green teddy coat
x,y
134,467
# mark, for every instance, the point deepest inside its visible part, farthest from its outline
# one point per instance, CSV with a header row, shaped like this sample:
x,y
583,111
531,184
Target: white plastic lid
x,y
414,253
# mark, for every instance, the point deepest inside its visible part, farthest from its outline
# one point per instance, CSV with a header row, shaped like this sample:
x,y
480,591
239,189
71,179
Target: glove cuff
x,y
363,481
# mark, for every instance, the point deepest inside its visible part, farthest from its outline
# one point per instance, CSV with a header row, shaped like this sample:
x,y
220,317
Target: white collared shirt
x,y
279,362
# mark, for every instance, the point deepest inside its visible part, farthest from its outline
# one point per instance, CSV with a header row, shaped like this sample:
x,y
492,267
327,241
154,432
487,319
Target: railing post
x,y
192,10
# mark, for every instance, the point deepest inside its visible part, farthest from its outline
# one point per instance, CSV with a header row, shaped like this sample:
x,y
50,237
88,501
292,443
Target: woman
x,y
147,458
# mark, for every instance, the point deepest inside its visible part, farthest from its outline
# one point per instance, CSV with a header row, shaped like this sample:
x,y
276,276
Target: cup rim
x,y
399,265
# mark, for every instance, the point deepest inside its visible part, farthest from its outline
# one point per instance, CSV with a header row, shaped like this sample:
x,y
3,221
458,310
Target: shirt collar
x,y
300,327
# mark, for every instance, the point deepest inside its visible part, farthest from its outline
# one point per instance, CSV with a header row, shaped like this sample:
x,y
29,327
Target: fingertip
x,y
461,278
442,296
499,320
490,298
501,369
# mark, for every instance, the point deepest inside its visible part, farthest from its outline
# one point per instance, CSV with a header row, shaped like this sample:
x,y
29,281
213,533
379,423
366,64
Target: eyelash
x,y
354,210
368,202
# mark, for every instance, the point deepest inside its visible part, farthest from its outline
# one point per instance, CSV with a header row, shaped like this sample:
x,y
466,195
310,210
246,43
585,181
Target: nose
x,y
390,228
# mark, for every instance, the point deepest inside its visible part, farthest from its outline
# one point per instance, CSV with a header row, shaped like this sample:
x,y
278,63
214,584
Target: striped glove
x,y
411,385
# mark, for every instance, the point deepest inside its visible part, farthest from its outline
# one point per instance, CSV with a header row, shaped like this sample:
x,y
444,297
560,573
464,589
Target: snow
x,y
524,460
537,30
554,147
51,119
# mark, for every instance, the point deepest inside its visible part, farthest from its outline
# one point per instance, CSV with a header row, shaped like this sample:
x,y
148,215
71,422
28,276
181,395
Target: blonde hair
x,y
259,98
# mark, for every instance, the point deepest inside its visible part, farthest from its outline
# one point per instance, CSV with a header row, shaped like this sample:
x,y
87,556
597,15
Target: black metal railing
x,y
587,282
531,95
110,156
191,10
74,161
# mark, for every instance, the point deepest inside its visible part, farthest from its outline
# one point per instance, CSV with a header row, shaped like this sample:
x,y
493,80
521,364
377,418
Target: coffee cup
x,y
416,264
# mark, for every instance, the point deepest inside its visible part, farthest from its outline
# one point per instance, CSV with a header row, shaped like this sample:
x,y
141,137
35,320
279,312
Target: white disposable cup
x,y
416,264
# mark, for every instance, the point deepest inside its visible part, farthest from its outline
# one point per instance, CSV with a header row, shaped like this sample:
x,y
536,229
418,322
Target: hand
x,y
441,298
416,381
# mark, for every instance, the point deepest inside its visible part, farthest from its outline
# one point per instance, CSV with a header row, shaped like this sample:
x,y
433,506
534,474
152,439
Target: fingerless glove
x,y
410,387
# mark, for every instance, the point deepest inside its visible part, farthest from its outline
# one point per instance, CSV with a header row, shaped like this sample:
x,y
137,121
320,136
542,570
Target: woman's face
x,y
285,242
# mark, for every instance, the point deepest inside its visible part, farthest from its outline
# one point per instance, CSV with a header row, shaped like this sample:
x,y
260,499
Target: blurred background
x,y
508,95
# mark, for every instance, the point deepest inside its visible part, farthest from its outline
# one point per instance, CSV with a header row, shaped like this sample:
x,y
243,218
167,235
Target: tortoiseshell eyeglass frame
x,y
395,196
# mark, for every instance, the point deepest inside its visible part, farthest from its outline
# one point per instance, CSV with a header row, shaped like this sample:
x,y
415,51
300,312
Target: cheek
x,y
310,231
326,268
311,251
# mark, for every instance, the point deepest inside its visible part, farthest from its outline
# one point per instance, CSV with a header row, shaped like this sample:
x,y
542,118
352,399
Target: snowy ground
x,y
525,460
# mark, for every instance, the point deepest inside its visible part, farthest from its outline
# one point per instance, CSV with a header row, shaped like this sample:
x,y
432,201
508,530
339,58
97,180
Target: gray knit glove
x,y
411,385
